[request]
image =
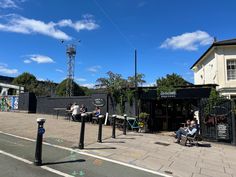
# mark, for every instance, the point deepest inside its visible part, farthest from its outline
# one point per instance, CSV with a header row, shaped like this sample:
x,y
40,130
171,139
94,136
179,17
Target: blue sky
x,y
169,35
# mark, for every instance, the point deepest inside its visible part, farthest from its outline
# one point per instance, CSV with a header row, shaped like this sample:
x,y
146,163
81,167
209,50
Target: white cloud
x,y
59,70
40,79
5,70
39,59
8,4
88,85
80,79
94,69
87,23
18,24
188,41
27,61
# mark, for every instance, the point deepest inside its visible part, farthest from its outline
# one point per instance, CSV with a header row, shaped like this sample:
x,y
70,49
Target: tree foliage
x,y
168,83
119,88
214,100
140,80
26,80
61,89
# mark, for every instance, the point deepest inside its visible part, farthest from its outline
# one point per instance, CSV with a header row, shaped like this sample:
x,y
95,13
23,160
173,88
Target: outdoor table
x,y
58,110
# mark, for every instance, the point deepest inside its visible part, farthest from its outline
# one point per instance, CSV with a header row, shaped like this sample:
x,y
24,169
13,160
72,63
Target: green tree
x,y
114,84
140,80
61,89
168,83
45,88
27,80
214,100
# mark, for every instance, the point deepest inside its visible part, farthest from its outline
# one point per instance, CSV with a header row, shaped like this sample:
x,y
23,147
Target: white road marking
x,y
92,155
56,171
30,163
15,157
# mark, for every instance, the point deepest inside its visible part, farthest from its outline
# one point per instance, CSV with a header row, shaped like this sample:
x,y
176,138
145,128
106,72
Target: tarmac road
x,y
56,162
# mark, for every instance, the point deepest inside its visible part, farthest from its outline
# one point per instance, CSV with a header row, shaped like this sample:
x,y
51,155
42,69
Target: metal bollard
x,y
125,124
100,118
82,129
39,141
114,126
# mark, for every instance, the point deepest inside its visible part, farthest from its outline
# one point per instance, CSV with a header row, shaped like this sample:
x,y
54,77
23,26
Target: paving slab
x,y
156,152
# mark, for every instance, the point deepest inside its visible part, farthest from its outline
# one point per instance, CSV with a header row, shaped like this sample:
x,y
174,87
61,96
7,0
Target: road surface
x,y
17,157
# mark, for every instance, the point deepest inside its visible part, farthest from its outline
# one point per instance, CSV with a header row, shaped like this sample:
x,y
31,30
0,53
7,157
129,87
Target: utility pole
x,y
136,83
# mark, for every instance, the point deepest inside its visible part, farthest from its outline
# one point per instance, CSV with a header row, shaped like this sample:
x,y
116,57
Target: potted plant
x,y
143,119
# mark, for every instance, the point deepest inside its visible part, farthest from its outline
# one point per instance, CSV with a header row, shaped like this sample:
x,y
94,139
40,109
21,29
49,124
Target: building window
x,y
231,69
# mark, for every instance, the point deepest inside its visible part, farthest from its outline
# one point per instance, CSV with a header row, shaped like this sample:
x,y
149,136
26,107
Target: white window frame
x,y
227,77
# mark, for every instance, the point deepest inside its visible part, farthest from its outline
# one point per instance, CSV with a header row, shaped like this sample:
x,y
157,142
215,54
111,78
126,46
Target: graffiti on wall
x,y
8,103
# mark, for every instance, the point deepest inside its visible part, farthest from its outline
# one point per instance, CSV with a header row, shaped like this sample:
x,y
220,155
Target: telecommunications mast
x,y
70,52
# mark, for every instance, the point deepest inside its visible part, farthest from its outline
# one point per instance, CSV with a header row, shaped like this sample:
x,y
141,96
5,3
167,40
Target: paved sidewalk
x,y
152,151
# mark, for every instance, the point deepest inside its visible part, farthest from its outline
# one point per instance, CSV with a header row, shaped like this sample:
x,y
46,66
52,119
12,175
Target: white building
x,y
4,89
218,66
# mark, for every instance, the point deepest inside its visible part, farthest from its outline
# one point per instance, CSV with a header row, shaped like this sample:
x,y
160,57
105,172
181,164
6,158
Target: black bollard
x,y
82,129
39,141
114,126
125,124
100,118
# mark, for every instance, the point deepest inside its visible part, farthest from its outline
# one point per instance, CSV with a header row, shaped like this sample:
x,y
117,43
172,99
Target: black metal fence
x,y
217,120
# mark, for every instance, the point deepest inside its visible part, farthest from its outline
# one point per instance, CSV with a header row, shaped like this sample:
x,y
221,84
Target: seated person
x,y
75,111
187,124
189,131
97,112
83,109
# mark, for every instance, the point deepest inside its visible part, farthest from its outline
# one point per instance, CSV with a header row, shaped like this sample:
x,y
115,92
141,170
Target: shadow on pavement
x,y
113,142
62,162
204,145
99,148
134,135
126,138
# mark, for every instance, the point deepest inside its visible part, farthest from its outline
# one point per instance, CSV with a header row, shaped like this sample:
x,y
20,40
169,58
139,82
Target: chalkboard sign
x,y
222,131
99,102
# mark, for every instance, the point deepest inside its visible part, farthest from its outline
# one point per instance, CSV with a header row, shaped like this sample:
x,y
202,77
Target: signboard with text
x,y
222,131
99,102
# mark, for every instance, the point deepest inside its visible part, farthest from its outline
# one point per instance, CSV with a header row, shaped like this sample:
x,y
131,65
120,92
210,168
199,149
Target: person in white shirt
x,y
75,111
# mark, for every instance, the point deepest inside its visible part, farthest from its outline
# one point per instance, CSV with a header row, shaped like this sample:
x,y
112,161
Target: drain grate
x,y
161,143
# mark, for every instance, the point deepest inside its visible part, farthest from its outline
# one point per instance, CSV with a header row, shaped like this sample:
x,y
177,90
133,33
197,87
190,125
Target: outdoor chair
x,y
190,140
94,120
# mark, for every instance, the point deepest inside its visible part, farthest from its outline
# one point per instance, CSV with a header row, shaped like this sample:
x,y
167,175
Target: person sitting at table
x,y
189,131
75,112
83,109
97,112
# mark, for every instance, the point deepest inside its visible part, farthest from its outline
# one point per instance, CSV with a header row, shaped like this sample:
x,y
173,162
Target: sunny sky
x,y
169,35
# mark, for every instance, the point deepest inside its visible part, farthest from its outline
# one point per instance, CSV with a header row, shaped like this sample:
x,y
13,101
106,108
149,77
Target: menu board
x,y
222,131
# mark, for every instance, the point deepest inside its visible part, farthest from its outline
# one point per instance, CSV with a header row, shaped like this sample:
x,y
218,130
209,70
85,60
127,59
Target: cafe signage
x,y
222,131
99,102
168,94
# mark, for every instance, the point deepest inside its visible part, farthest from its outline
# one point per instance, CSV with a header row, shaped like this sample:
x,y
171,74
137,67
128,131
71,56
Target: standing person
x,y
75,111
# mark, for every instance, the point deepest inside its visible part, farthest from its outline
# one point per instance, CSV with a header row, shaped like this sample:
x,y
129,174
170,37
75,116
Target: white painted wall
x,y
207,70
213,68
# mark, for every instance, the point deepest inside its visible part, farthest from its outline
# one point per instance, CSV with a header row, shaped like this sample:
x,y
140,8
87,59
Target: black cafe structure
x,y
170,109
166,111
